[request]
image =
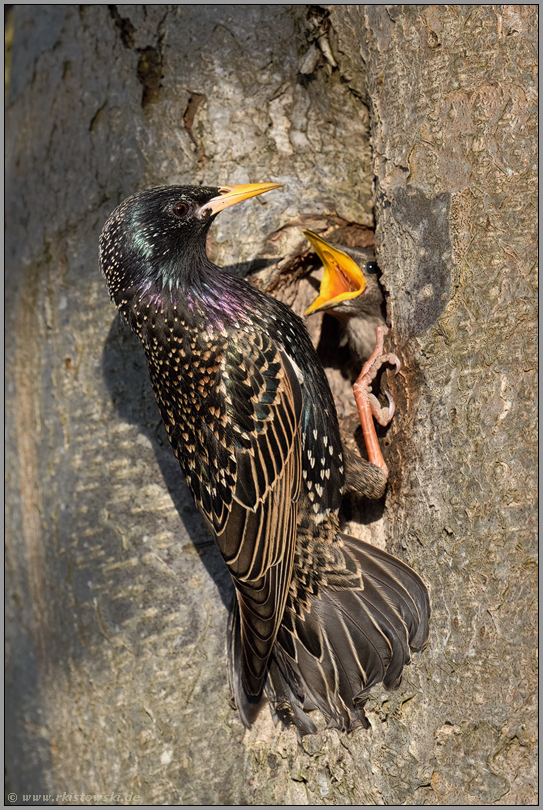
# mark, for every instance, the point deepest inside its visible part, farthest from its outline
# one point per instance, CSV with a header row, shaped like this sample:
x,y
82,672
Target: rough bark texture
x,y
116,596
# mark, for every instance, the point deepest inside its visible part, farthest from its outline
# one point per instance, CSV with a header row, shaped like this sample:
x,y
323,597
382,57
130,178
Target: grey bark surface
x,y
117,598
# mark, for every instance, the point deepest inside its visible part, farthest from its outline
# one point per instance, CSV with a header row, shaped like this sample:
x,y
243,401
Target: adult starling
x,y
350,291
319,616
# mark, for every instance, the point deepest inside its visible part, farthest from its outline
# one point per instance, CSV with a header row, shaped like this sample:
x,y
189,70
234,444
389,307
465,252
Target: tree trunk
x,y
117,598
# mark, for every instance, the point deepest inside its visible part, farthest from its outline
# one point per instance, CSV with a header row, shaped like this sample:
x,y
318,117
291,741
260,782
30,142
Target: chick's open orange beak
x,y
231,195
343,278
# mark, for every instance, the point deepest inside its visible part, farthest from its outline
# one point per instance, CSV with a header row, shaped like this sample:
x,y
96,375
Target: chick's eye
x,y
371,267
180,209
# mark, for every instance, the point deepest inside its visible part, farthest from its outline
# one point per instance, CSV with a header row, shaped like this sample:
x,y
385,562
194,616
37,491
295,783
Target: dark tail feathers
x,y
348,640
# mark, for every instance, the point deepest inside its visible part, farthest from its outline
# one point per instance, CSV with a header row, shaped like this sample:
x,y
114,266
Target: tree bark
x,y
117,598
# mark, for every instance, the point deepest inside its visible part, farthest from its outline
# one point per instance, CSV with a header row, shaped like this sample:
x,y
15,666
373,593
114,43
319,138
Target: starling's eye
x,y
180,209
371,268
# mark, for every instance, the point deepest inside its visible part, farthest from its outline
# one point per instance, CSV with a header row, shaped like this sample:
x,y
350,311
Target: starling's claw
x,y
368,404
377,359
373,365
380,414
388,413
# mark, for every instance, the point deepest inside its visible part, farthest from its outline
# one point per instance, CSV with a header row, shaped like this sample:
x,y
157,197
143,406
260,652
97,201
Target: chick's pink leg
x,y
368,404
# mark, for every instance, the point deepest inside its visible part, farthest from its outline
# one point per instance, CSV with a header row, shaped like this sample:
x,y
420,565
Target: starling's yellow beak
x,y
343,278
231,195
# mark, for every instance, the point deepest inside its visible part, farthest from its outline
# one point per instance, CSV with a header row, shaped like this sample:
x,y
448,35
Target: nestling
x,y
351,292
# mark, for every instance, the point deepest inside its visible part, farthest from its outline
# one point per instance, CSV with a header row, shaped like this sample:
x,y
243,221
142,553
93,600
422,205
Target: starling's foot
x,y
368,404
362,386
